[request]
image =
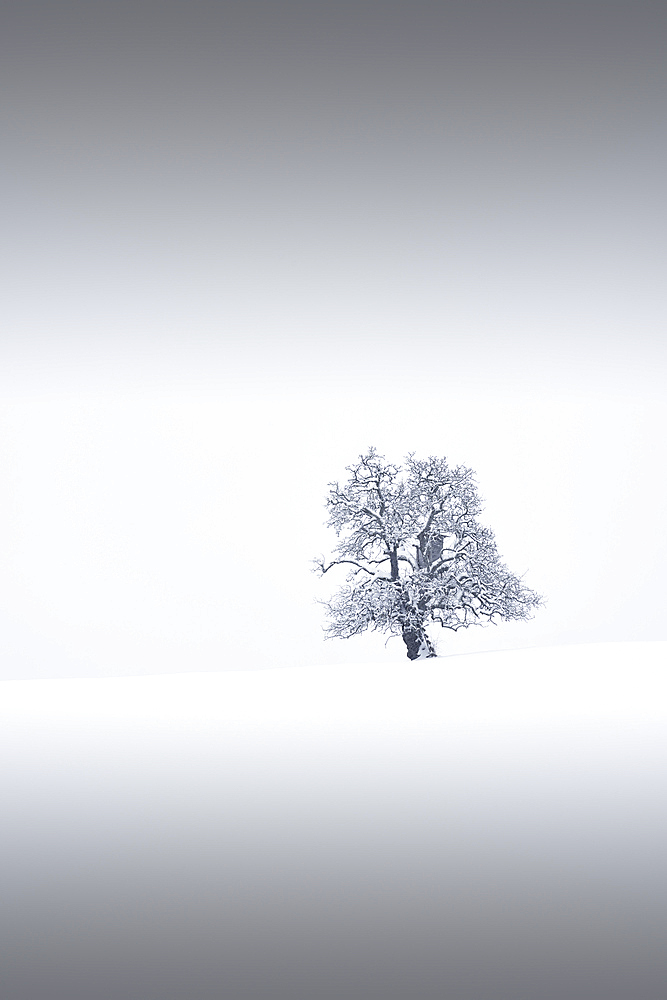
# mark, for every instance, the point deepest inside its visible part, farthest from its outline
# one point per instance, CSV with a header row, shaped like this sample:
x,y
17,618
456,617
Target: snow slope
x,y
481,826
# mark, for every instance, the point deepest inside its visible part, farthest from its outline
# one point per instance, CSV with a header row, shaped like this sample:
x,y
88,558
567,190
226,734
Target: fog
x,y
246,241
174,531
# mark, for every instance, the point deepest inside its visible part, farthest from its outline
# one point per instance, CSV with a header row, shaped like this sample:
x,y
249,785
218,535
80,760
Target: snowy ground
x,y
482,827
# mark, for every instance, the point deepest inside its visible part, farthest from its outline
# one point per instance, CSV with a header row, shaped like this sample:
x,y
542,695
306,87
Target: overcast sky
x,y
244,241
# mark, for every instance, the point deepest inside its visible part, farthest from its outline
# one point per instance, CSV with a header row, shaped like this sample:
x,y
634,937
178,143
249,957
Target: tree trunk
x,y
419,645
393,562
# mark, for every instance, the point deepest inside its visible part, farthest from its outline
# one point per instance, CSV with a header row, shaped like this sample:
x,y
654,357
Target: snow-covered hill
x,y
482,826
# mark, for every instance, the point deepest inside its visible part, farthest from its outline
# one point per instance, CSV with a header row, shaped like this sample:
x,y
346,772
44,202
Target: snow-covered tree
x,y
416,554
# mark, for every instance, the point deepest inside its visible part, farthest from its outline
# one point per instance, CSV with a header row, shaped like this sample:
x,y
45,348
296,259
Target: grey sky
x,y
245,239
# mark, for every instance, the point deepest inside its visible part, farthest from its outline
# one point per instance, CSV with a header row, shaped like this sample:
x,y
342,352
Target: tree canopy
x,y
416,554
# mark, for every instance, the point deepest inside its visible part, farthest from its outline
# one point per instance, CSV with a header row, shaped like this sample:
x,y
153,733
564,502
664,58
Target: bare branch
x,y
339,562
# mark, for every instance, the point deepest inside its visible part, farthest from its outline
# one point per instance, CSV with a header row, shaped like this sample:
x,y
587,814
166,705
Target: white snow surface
x,y
477,827
585,681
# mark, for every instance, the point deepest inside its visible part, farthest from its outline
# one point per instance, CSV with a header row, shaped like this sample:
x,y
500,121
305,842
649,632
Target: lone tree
x,y
416,554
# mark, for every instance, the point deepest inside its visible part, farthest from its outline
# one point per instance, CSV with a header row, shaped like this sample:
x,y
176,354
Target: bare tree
x,y
416,554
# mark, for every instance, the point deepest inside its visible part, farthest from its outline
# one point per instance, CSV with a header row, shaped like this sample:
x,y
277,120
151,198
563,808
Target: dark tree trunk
x,y
429,549
393,562
418,643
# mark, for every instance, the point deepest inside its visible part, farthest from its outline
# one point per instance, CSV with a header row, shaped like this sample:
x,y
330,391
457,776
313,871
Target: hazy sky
x,y
243,241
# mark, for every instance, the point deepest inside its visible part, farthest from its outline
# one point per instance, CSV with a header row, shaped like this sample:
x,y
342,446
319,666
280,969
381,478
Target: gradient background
x,y
244,241
485,827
